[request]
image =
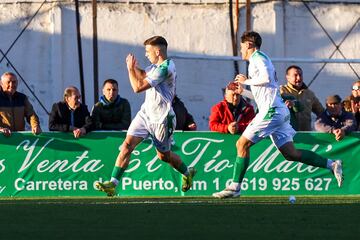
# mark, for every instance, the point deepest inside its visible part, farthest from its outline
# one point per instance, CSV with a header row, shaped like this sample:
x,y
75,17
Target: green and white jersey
x,y
263,82
158,98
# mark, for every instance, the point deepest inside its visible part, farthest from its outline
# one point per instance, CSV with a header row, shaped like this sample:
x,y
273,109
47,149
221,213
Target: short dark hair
x,y
251,36
111,81
333,99
156,41
293,66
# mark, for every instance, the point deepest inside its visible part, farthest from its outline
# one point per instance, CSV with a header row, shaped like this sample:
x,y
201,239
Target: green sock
x,y
240,167
117,172
313,159
182,168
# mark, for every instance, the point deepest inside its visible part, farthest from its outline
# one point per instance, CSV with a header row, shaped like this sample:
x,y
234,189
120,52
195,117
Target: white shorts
x,y
160,133
275,123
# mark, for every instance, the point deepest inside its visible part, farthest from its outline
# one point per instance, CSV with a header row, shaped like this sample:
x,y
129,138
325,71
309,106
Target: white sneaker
x,y
227,193
337,171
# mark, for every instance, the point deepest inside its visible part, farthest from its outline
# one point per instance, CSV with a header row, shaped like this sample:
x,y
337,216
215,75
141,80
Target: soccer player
x,y
156,118
272,119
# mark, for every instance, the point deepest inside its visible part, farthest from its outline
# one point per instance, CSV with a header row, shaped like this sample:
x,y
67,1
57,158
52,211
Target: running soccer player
x,y
272,119
156,118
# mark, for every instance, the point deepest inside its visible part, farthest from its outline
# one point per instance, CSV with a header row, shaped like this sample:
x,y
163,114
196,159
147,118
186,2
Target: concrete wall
x,y
46,53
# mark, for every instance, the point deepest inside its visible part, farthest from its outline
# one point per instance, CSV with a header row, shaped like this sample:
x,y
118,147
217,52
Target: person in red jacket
x,y
233,114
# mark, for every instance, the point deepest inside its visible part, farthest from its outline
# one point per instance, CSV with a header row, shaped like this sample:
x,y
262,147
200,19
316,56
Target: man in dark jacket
x,y
112,112
184,120
335,120
70,115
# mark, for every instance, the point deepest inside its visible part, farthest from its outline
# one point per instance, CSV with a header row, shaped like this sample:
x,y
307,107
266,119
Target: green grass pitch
x,y
180,218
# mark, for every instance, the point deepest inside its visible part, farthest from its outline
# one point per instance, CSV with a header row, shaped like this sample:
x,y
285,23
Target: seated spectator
x,y
305,102
352,102
112,112
334,120
347,104
184,120
15,108
70,115
233,114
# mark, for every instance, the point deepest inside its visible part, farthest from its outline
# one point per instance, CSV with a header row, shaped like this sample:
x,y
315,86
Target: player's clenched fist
x,y
130,61
240,78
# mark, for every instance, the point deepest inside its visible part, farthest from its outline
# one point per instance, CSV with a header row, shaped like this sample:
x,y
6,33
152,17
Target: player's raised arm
x,y
136,75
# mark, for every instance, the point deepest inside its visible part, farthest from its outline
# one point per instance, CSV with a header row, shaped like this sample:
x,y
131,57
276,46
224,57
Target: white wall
x,y
46,54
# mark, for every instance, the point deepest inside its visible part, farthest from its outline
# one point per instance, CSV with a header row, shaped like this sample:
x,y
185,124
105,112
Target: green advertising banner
x,y
56,164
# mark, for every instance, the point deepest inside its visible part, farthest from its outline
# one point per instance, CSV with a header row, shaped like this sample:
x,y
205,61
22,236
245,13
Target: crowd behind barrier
x,y
156,118
113,112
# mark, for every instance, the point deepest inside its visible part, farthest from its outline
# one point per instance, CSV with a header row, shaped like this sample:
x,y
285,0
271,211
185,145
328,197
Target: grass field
x,y
180,218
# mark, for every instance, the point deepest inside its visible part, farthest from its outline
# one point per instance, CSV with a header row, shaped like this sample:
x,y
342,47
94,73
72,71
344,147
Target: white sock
x,y
115,181
235,186
329,164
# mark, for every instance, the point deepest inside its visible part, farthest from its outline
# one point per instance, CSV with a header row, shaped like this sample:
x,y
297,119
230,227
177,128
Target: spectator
x,y
184,120
304,101
70,115
112,112
352,102
15,108
233,114
347,104
334,120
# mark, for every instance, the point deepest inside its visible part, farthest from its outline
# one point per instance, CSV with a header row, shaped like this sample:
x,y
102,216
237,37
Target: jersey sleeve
x,y
157,75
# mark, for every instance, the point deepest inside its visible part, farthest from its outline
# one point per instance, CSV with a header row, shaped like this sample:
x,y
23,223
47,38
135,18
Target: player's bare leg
x,y
122,162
